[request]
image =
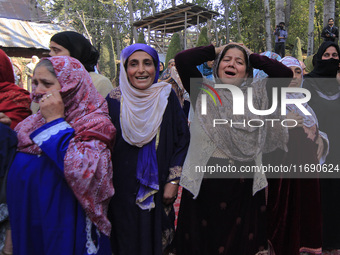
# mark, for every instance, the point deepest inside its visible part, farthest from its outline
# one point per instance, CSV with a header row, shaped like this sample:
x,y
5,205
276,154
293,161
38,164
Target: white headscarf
x,y
141,110
308,120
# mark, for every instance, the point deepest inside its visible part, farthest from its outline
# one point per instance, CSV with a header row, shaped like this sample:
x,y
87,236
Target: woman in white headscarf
x,y
228,212
151,145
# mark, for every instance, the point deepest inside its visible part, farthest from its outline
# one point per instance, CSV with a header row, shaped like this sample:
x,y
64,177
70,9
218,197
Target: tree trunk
x,y
337,14
82,19
115,33
267,25
237,19
288,11
226,19
133,32
173,3
328,10
279,11
153,7
209,21
66,11
310,47
91,26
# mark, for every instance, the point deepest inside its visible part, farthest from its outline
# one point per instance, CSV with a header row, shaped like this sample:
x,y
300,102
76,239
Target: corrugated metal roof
x,y
25,34
21,9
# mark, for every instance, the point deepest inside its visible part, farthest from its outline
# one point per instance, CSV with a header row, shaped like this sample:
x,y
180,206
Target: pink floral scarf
x,y
87,163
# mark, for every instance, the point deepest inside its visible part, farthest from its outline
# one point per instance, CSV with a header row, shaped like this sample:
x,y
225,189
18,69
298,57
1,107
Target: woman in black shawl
x,y
325,101
70,43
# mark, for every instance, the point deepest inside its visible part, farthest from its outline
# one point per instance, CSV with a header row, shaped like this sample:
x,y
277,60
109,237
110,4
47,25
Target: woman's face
x,y
171,63
140,70
161,68
232,68
44,80
297,78
329,53
58,50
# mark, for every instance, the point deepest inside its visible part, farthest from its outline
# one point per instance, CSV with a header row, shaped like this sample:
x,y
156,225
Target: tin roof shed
x,y
25,29
173,20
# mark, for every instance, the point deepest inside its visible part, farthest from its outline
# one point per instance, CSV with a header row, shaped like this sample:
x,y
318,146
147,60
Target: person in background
x,y
330,32
161,68
14,107
59,184
294,205
206,69
29,71
166,74
260,74
69,43
8,140
17,72
151,145
14,101
280,39
303,66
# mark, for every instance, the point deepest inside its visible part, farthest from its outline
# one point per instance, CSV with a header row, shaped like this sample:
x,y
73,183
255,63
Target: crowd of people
x,y
90,168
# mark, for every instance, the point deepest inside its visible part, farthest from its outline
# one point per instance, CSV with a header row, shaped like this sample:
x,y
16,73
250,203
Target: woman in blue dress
x,y
59,184
151,145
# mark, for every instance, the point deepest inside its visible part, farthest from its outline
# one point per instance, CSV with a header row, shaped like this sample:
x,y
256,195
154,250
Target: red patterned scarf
x,y
14,101
87,163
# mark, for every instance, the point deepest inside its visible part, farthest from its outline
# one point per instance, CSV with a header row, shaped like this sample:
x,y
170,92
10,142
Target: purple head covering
x,y
140,118
128,51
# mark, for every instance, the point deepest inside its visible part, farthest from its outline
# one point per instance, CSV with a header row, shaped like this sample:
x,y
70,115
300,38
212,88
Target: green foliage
x,y
204,3
107,61
318,24
101,16
309,63
141,38
203,38
298,25
251,14
238,38
92,18
297,52
174,47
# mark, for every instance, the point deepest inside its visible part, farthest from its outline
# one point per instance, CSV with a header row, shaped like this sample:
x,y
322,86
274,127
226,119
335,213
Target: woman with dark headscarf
x,y
59,184
69,43
151,145
325,101
161,68
294,206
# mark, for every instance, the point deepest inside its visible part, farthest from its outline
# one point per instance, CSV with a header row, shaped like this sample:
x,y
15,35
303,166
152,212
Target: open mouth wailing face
x,y
232,68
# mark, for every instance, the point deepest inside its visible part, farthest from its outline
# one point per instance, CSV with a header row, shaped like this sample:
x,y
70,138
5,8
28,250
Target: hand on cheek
x,y
52,106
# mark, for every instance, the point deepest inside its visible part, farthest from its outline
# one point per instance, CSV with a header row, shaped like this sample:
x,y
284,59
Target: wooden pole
x,y
185,31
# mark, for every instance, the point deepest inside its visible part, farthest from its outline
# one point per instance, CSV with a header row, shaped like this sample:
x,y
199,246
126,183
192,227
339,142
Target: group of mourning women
x,y
95,175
